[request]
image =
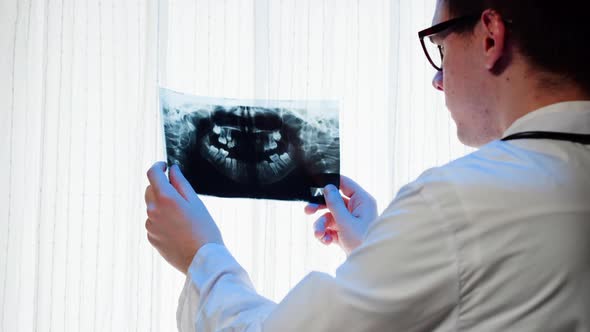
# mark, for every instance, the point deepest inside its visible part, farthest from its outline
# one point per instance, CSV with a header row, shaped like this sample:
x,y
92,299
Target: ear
x,y
494,43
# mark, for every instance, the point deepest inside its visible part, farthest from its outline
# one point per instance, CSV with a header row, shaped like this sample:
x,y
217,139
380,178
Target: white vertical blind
x,y
79,126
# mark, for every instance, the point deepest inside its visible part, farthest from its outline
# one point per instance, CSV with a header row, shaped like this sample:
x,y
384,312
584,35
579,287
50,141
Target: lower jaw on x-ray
x,y
231,150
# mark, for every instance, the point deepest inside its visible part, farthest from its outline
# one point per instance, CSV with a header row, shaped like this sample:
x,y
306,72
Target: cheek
x,y
459,96
460,82
451,89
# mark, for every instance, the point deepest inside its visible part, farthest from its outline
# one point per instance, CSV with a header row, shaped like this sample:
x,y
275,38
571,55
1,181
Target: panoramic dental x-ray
x,y
285,150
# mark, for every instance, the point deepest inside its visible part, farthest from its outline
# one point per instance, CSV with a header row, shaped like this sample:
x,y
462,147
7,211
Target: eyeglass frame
x,y
438,28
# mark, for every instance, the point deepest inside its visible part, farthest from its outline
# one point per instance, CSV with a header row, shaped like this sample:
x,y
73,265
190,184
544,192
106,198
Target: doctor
x,y
498,240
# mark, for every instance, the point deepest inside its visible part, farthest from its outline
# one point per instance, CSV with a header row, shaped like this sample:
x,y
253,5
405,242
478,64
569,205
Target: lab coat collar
x,y
570,117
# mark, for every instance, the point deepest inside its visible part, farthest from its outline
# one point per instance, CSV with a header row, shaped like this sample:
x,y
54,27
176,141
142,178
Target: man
x,y
496,241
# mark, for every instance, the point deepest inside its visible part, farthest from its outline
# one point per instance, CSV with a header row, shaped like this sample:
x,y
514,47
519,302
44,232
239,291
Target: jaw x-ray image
x,y
284,150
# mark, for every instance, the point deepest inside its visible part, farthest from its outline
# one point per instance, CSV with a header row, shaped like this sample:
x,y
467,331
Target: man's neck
x,y
525,95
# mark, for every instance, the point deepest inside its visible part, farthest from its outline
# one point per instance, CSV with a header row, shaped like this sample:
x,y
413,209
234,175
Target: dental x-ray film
x,y
284,150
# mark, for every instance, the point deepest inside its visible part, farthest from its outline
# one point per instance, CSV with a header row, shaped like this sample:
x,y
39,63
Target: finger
x,y
319,226
330,237
335,203
349,187
181,184
153,241
326,239
312,208
324,224
157,177
149,195
346,200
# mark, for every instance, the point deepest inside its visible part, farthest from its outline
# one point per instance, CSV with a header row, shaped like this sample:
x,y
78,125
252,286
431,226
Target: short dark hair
x,y
552,35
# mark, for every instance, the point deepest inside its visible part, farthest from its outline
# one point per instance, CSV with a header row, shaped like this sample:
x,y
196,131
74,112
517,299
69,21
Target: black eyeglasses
x,y
434,52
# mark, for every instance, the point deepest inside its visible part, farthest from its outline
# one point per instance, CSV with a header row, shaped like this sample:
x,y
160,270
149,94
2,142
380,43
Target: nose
x,y
437,81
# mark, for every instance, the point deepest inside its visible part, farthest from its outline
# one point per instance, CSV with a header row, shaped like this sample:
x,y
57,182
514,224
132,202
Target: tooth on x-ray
x,y
286,150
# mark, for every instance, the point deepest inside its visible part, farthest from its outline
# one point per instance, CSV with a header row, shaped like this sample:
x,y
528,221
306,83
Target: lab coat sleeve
x,y
219,296
402,278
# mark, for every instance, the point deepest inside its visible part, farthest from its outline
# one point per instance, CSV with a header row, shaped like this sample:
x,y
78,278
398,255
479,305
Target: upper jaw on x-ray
x,y
230,148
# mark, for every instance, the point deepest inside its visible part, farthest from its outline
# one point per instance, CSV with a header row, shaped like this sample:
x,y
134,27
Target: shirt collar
x,y
570,117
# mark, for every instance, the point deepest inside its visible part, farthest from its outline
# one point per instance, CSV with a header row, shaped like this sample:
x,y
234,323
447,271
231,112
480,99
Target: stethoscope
x,y
576,138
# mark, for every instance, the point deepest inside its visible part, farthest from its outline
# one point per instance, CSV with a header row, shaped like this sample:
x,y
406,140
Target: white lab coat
x,y
498,240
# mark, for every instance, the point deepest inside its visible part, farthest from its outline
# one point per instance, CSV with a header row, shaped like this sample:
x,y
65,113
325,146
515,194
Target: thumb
x,y
335,203
180,183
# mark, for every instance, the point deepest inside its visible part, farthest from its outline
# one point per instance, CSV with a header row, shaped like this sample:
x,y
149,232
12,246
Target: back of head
x,y
551,35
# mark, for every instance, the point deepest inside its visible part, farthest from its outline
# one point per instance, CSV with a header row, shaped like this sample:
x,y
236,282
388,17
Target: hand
x,y
178,223
348,217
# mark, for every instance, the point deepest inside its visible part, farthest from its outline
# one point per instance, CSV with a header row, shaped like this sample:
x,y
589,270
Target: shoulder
x,y
492,169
